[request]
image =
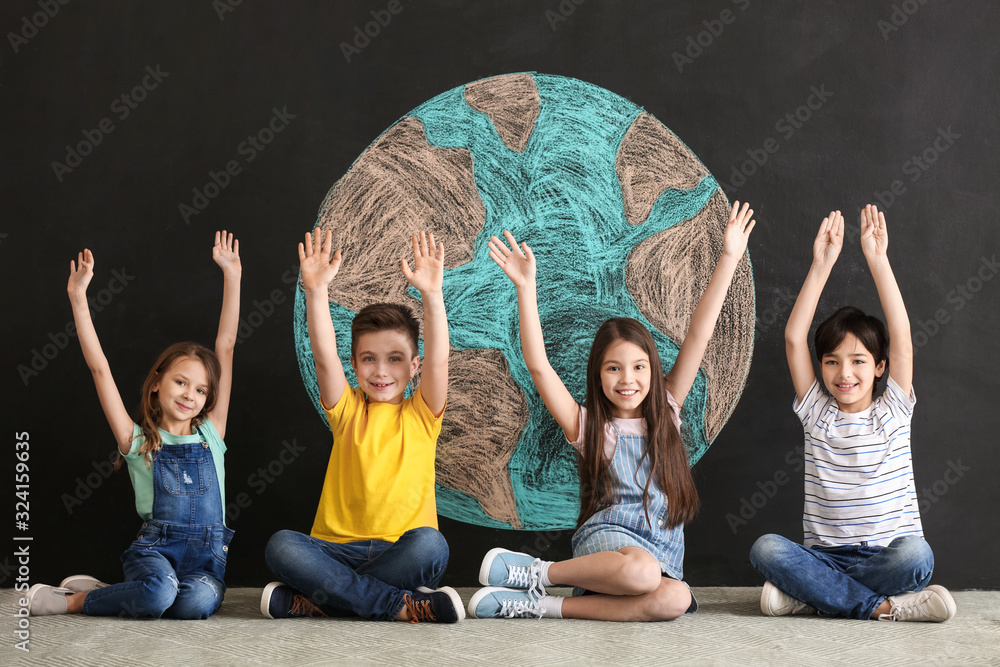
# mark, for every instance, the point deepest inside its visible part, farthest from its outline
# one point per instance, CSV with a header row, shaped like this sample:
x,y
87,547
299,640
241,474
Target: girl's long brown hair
x,y
668,461
149,409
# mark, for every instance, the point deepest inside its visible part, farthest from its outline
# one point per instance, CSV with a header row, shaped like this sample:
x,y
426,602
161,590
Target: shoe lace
x,y
303,606
907,610
527,577
419,610
520,608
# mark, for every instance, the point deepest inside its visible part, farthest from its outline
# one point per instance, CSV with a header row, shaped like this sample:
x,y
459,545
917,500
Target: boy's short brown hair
x,y
385,317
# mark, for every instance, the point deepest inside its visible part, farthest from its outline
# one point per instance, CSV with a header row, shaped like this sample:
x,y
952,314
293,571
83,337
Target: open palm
x,y
738,229
874,235
226,252
518,262
830,239
80,272
315,262
428,264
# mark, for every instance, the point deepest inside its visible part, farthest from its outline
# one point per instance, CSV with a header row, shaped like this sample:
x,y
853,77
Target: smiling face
x,y
384,362
849,373
625,376
181,393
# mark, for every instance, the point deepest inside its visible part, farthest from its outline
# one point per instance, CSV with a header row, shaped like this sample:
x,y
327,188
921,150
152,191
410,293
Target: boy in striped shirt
x,y
864,554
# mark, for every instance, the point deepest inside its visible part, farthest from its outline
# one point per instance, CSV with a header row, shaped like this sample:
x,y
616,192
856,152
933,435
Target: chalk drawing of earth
x,y
624,221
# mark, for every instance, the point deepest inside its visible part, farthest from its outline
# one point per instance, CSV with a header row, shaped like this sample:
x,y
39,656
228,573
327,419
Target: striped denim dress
x,y
624,524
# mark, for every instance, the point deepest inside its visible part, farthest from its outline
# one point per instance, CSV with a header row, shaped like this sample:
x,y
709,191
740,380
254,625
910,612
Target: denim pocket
x,y
185,476
220,545
148,537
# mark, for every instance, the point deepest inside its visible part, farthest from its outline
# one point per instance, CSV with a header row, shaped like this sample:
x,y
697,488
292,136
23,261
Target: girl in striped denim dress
x,y
636,486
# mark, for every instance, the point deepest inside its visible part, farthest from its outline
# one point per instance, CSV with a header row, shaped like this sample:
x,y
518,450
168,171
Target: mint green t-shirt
x,y
142,475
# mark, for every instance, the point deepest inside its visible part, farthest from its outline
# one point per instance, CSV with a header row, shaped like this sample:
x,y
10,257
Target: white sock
x,y
543,575
551,606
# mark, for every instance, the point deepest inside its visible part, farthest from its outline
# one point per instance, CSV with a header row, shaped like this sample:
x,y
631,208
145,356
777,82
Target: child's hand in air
x,y
314,260
874,236
80,273
226,253
829,240
738,230
428,264
517,262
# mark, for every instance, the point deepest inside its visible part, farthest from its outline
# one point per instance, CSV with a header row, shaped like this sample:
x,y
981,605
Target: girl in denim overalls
x,y
636,485
175,567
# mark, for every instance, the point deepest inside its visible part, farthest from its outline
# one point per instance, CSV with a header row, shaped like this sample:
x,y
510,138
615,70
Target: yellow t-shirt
x,y
380,480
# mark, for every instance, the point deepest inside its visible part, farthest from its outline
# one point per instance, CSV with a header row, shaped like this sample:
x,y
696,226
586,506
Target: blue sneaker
x,y
510,569
282,601
493,602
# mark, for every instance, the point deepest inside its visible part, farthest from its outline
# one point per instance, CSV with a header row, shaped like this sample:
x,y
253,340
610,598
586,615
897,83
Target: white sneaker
x,y
934,603
46,600
82,583
775,603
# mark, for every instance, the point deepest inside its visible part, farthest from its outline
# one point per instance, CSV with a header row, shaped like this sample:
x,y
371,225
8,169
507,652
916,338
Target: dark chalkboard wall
x,y
798,107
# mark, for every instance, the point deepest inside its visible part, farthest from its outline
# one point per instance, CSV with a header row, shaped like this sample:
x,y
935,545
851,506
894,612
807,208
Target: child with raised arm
x,y
374,550
636,486
176,565
864,555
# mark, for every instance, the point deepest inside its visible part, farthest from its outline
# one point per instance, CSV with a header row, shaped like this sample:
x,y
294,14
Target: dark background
x,y
890,89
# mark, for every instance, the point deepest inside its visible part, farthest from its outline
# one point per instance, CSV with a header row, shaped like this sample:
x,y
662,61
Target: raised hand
x,y
314,260
517,262
829,239
80,273
428,264
738,230
874,236
226,252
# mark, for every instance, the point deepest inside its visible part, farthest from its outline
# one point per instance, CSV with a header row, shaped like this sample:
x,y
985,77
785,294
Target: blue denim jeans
x,y
367,579
170,571
846,581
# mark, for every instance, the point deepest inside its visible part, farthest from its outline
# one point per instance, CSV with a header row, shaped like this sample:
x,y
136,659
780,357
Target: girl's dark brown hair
x,y
149,408
668,460
868,329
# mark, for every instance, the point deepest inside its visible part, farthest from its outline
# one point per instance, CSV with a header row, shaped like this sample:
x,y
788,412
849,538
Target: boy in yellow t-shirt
x,y
374,550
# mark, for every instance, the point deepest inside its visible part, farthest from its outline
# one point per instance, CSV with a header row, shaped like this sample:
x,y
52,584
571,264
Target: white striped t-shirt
x,y
858,472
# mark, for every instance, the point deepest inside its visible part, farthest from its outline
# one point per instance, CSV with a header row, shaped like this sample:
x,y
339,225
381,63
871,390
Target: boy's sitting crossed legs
x,y
374,550
864,554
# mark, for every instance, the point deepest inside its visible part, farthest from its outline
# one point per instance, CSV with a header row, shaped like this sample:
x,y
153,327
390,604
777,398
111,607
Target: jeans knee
x,y
275,553
766,549
197,599
157,594
915,553
429,541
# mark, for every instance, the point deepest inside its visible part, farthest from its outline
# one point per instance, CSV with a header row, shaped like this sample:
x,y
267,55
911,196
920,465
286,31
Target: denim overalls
x,y
176,566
